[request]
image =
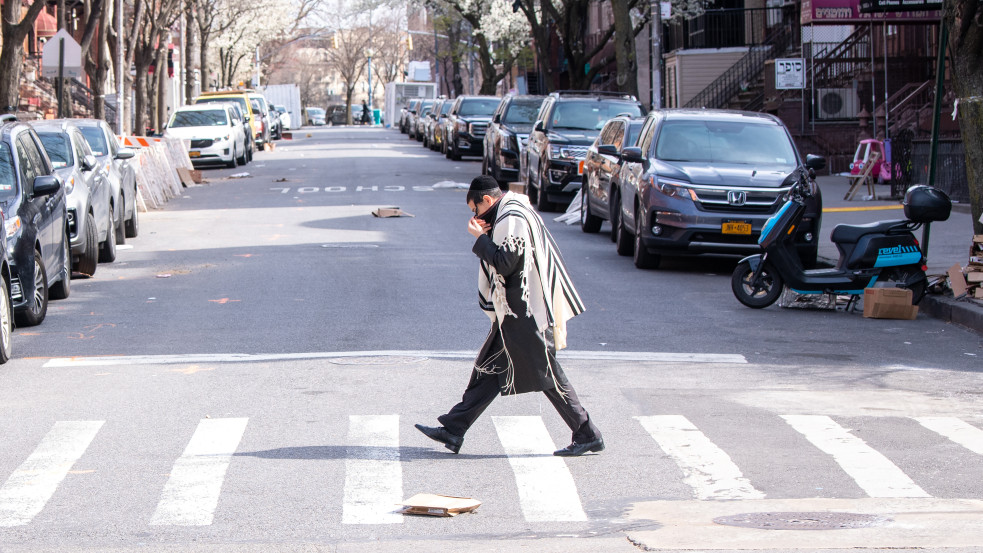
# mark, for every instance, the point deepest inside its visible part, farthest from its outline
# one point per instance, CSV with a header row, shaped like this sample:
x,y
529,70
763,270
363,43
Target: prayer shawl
x,y
547,291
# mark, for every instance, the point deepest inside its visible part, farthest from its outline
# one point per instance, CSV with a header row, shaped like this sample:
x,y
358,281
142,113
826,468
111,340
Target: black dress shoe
x,y
440,434
576,450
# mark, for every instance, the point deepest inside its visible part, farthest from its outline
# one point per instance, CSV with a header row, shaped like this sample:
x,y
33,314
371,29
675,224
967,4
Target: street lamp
x,y
368,54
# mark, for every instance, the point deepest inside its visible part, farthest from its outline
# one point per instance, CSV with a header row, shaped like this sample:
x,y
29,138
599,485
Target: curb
x,y
950,310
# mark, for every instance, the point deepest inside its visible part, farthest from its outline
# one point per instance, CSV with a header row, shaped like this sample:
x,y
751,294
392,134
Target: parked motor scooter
x,y
884,253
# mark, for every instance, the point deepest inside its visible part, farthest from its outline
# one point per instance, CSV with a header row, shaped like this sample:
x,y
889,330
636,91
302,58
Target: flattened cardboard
x,y
957,281
186,177
438,505
384,212
889,303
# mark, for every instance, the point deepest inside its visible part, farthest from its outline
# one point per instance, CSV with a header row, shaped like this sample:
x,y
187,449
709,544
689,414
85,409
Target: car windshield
x,y
8,175
590,115
478,106
445,108
317,112
736,142
96,139
58,147
522,111
209,100
204,118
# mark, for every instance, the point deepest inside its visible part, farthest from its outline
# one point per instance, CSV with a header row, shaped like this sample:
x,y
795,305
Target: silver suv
x,y
705,181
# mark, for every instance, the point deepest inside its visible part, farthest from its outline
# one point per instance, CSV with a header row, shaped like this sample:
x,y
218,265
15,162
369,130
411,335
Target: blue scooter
x,y
884,252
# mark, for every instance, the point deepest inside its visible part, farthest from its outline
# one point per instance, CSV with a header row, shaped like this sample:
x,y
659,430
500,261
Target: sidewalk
x,y
948,244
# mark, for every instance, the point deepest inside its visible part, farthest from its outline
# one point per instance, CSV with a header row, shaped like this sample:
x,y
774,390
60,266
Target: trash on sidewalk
x,y
384,212
889,303
572,214
239,176
451,184
189,177
794,300
438,505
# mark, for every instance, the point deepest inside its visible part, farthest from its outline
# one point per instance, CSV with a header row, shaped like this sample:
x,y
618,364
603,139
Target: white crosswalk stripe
x,y
706,468
30,487
872,471
192,491
373,474
547,492
956,430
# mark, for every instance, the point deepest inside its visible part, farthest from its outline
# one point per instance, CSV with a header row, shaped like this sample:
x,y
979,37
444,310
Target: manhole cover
x,y
802,521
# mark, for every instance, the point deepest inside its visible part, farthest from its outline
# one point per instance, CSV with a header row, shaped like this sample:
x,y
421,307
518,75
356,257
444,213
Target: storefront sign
x,y
847,12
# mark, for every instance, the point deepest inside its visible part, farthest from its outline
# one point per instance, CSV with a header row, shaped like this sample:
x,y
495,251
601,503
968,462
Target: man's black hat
x,y
483,183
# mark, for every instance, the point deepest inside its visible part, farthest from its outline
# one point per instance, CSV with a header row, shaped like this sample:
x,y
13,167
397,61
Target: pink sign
x,y
847,12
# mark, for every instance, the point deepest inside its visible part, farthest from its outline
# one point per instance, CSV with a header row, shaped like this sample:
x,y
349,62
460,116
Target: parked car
x,y
407,115
212,131
706,181
314,116
114,163
602,170
507,135
285,121
337,115
464,130
249,106
566,126
421,121
91,220
35,221
414,123
276,128
434,139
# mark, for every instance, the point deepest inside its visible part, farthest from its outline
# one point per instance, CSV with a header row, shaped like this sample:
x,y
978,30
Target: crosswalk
x,y
547,490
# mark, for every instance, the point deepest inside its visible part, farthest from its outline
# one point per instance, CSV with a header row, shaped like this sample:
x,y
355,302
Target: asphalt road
x,y
246,376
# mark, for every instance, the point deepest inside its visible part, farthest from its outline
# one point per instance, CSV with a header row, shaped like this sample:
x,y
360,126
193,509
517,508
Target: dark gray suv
x,y
705,181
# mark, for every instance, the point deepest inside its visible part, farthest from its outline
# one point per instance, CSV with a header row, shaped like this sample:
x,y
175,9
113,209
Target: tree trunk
x,y
140,99
963,19
101,70
624,49
189,48
12,52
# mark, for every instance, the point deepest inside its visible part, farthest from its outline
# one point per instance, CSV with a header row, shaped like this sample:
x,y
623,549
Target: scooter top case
x,y
881,244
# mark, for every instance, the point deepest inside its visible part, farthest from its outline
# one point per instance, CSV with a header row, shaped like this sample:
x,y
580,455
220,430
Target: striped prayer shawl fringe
x,y
547,290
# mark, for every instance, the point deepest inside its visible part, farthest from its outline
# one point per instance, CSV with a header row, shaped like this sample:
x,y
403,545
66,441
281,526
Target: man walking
x,y
524,289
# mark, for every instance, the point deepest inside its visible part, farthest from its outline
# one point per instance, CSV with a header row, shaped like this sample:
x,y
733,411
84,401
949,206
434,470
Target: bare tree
x,y
964,19
151,32
346,56
14,30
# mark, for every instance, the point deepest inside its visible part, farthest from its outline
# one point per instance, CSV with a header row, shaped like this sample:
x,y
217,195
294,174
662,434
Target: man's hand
x,y
477,227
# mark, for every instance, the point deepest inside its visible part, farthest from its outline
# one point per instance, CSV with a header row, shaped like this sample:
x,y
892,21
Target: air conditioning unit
x,y
836,103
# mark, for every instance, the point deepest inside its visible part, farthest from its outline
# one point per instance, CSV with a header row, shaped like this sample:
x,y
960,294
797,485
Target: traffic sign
x,y
70,56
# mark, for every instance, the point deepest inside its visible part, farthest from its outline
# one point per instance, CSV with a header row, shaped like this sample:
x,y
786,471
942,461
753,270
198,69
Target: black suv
x,y
35,215
567,125
507,135
466,124
706,181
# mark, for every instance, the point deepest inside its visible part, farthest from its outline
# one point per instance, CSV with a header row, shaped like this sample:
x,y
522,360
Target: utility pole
x,y
655,32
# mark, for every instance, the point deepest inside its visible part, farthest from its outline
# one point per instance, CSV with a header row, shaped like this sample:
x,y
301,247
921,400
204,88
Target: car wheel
x,y
120,231
63,288
249,153
107,250
6,322
589,223
614,207
90,258
242,158
455,155
642,258
447,150
234,162
37,307
623,241
542,203
133,224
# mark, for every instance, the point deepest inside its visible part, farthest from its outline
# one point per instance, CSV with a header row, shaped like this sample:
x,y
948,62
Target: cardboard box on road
x,y
438,505
390,212
889,303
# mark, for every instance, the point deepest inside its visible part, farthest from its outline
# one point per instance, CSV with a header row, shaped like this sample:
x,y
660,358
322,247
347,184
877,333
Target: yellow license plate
x,y
736,227
194,154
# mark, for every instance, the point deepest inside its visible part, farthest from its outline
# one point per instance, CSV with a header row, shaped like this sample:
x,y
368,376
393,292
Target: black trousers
x,y
483,388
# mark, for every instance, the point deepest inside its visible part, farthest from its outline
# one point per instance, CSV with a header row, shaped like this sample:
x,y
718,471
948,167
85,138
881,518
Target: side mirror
x,y
46,185
88,162
539,127
633,154
608,150
816,163
125,153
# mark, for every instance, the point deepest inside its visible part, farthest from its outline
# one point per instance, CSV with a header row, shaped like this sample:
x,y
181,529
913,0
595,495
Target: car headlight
x,y
462,126
674,190
560,152
69,185
222,138
13,228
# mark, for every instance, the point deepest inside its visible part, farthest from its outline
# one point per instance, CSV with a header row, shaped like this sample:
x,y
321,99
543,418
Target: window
x,y
522,111
590,114
204,118
59,148
96,139
8,176
28,164
734,142
478,106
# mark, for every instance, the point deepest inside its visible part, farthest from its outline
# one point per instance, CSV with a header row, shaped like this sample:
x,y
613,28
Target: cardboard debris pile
x,y
438,505
969,281
391,212
889,303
